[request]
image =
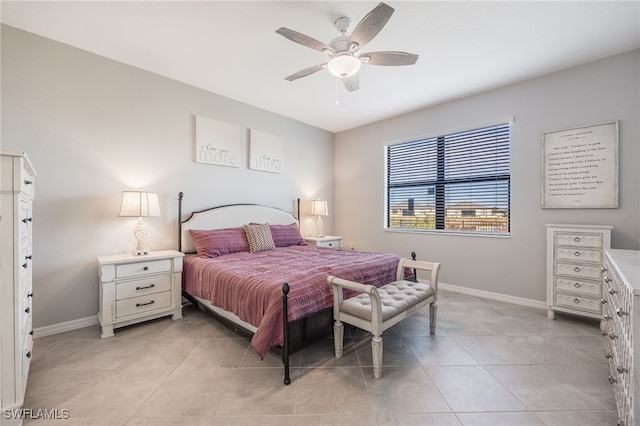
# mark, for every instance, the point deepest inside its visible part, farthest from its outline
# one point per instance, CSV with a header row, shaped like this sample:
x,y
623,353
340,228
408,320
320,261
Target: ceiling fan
x,y
344,51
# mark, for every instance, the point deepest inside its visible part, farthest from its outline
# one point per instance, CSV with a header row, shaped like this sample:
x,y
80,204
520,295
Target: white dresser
x,y
139,288
575,255
621,306
16,341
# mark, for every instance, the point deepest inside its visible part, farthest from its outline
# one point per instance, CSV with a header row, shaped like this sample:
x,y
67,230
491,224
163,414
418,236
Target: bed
x,y
276,292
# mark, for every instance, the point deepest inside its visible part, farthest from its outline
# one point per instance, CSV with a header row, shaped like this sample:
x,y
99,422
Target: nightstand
x,y
139,288
326,241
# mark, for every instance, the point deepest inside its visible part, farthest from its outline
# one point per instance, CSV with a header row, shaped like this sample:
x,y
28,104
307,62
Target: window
x,y
455,183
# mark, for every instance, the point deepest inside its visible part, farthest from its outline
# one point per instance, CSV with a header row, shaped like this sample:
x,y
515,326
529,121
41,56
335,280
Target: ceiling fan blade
x,y
388,58
305,72
351,83
370,26
305,40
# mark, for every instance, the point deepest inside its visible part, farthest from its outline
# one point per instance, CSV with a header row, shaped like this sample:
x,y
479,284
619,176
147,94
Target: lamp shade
x,y
319,208
139,204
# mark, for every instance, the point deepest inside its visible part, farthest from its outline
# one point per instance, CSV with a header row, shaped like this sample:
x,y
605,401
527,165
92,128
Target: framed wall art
x,y
219,143
580,167
265,152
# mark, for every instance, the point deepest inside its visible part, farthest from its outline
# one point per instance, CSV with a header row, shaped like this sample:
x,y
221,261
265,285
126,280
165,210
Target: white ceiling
x,y
231,48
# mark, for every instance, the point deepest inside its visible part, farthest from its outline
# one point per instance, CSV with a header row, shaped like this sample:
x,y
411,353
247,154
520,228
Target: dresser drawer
x,y
143,268
125,290
578,270
135,305
26,180
576,254
25,217
578,303
579,287
578,239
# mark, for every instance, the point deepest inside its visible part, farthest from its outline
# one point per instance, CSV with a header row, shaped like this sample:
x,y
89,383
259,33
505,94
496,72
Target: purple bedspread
x,y
250,284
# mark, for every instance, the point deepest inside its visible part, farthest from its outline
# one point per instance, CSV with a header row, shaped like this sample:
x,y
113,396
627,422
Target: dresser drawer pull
x,y
577,253
621,369
607,280
603,301
612,336
577,285
608,356
146,287
31,333
30,294
145,268
24,265
27,219
576,300
27,310
28,257
612,291
603,269
576,239
621,313
608,318
576,269
145,304
28,182
612,380
28,354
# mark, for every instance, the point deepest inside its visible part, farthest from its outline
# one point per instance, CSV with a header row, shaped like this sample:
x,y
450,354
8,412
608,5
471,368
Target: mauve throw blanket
x,y
250,284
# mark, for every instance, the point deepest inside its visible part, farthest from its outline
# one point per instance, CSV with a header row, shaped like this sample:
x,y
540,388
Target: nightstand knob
x,y
27,310
621,313
28,354
576,269
145,268
576,239
577,253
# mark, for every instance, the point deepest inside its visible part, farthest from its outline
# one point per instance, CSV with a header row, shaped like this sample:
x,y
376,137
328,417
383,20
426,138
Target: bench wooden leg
x,y
433,311
338,334
376,351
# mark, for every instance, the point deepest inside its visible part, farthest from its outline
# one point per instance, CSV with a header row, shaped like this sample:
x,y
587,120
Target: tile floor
x,y
490,363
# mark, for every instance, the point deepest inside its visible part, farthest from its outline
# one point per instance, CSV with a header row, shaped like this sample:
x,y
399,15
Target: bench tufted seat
x,y
377,309
395,298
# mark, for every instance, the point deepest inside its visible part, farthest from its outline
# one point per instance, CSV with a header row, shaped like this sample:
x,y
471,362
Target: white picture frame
x,y
580,167
218,143
265,152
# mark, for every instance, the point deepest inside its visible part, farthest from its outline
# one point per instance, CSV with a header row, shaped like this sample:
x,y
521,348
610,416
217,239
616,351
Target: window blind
x,y
455,182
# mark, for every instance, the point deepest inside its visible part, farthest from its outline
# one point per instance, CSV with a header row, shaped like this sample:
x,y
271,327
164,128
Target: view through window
x,y
458,182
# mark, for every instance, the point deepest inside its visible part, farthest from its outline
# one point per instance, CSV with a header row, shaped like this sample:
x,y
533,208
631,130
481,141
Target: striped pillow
x,y
286,235
216,242
259,237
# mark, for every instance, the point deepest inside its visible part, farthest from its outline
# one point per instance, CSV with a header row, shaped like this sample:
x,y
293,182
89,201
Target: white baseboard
x,y
48,330
93,320
494,296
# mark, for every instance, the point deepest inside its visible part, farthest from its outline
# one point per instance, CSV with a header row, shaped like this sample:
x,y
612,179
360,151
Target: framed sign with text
x,y
217,142
580,167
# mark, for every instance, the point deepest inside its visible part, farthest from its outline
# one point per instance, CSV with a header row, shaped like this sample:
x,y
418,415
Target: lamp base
x,y
140,232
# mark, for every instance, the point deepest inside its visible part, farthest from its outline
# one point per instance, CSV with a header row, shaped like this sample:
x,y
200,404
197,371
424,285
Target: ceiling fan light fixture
x,y
344,66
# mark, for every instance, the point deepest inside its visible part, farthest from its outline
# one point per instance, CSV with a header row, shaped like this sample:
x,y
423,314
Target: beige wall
x,y
94,127
601,91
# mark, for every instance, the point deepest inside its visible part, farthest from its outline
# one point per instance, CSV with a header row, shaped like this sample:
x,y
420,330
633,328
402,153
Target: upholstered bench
x,y
377,309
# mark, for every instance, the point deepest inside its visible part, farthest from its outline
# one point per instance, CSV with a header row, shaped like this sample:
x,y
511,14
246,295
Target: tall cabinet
x,y
16,295
575,256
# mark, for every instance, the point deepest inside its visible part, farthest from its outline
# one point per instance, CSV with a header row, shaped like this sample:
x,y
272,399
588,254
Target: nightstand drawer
x,y
143,268
139,304
125,290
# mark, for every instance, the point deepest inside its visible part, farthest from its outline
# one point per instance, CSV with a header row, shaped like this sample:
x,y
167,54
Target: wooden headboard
x,y
228,216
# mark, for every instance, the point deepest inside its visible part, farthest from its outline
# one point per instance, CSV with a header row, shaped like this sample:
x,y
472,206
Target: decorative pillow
x,y
259,237
287,235
216,242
